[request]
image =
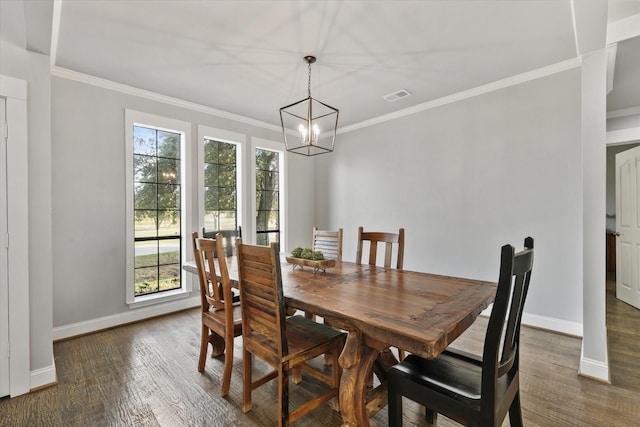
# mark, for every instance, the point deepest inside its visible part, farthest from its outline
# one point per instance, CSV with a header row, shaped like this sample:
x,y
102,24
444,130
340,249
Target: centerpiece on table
x,y
301,257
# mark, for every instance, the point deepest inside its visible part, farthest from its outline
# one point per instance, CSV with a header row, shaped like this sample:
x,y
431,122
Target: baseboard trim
x,y
557,325
594,369
135,315
43,377
547,323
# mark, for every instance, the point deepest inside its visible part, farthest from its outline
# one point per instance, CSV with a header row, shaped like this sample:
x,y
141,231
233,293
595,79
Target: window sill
x,y
146,300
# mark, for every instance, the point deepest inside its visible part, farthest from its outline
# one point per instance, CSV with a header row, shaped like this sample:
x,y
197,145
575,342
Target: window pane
x,y
145,223
169,225
145,196
211,198
168,170
146,280
146,253
210,151
168,144
227,220
169,251
227,176
211,220
210,175
144,141
227,154
144,168
168,196
169,277
226,199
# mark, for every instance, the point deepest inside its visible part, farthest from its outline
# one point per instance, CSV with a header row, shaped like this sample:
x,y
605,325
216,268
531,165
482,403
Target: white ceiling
x,y
245,57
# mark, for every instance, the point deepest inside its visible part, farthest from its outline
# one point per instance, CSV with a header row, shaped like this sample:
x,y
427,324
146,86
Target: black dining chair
x,y
471,390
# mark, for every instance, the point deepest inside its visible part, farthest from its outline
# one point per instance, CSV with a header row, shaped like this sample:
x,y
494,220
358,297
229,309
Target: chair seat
x,y
449,374
217,317
303,334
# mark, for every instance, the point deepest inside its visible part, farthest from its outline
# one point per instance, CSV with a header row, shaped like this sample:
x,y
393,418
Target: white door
x,y
4,285
628,226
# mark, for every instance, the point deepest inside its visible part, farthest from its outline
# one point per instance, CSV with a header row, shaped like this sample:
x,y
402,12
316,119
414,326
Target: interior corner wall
x,y
465,178
34,68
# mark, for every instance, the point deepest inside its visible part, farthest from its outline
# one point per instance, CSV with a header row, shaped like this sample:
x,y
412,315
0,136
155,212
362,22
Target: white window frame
x,y
260,143
133,118
240,140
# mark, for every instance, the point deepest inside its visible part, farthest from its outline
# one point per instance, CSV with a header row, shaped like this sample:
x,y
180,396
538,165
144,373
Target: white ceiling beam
x,y
623,29
589,25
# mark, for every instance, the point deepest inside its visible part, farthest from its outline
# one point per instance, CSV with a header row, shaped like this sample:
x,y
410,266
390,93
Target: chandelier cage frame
x,y
306,124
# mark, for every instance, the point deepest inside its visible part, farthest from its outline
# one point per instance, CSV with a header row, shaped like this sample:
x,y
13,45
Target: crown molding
x,y
153,96
623,112
470,93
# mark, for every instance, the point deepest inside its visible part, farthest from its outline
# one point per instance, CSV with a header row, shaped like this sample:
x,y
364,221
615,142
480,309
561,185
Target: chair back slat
x,y
501,348
328,242
261,297
229,238
381,237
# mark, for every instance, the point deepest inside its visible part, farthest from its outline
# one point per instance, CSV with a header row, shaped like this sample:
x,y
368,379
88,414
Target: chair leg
x,y
296,375
204,345
394,405
246,380
283,396
228,367
431,417
515,412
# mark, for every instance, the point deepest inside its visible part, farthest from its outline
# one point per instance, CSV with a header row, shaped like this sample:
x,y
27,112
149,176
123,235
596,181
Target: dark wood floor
x,y
145,375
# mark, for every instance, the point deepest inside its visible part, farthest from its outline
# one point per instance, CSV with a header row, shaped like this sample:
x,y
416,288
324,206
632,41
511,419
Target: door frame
x,y
15,92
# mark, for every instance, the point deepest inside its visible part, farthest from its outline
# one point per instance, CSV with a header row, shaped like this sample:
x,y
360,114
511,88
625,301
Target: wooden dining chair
x,y
471,390
282,342
210,235
328,242
229,238
221,318
388,239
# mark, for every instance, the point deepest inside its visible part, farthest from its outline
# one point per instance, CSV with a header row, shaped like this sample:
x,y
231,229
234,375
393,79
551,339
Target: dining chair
x,y
210,235
229,238
282,342
328,242
472,390
375,237
388,239
221,318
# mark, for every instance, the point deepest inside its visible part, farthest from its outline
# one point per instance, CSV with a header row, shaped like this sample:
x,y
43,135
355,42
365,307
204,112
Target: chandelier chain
x,y
309,82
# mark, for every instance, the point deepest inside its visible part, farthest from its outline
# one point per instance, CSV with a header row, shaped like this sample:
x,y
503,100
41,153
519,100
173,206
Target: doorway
x,y
621,318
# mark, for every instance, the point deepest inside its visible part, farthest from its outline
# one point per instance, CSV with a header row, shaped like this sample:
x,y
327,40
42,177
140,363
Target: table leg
x,y
356,361
217,342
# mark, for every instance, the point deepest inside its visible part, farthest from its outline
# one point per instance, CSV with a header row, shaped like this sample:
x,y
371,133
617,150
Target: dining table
x,y
421,313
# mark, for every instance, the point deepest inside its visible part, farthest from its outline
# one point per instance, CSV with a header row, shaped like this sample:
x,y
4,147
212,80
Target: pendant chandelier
x,y
309,126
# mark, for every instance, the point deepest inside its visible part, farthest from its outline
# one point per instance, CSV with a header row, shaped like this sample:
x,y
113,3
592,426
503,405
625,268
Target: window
x,y
220,179
220,185
156,216
268,176
157,213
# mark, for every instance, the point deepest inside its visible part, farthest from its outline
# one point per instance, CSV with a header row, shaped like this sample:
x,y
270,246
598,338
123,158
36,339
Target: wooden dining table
x,y
420,313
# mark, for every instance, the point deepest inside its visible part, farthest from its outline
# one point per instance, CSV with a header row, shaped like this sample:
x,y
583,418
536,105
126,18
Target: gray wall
x,y
89,194
464,179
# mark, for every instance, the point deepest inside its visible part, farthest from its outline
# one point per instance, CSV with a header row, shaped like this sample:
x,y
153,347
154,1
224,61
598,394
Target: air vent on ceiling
x,y
402,93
